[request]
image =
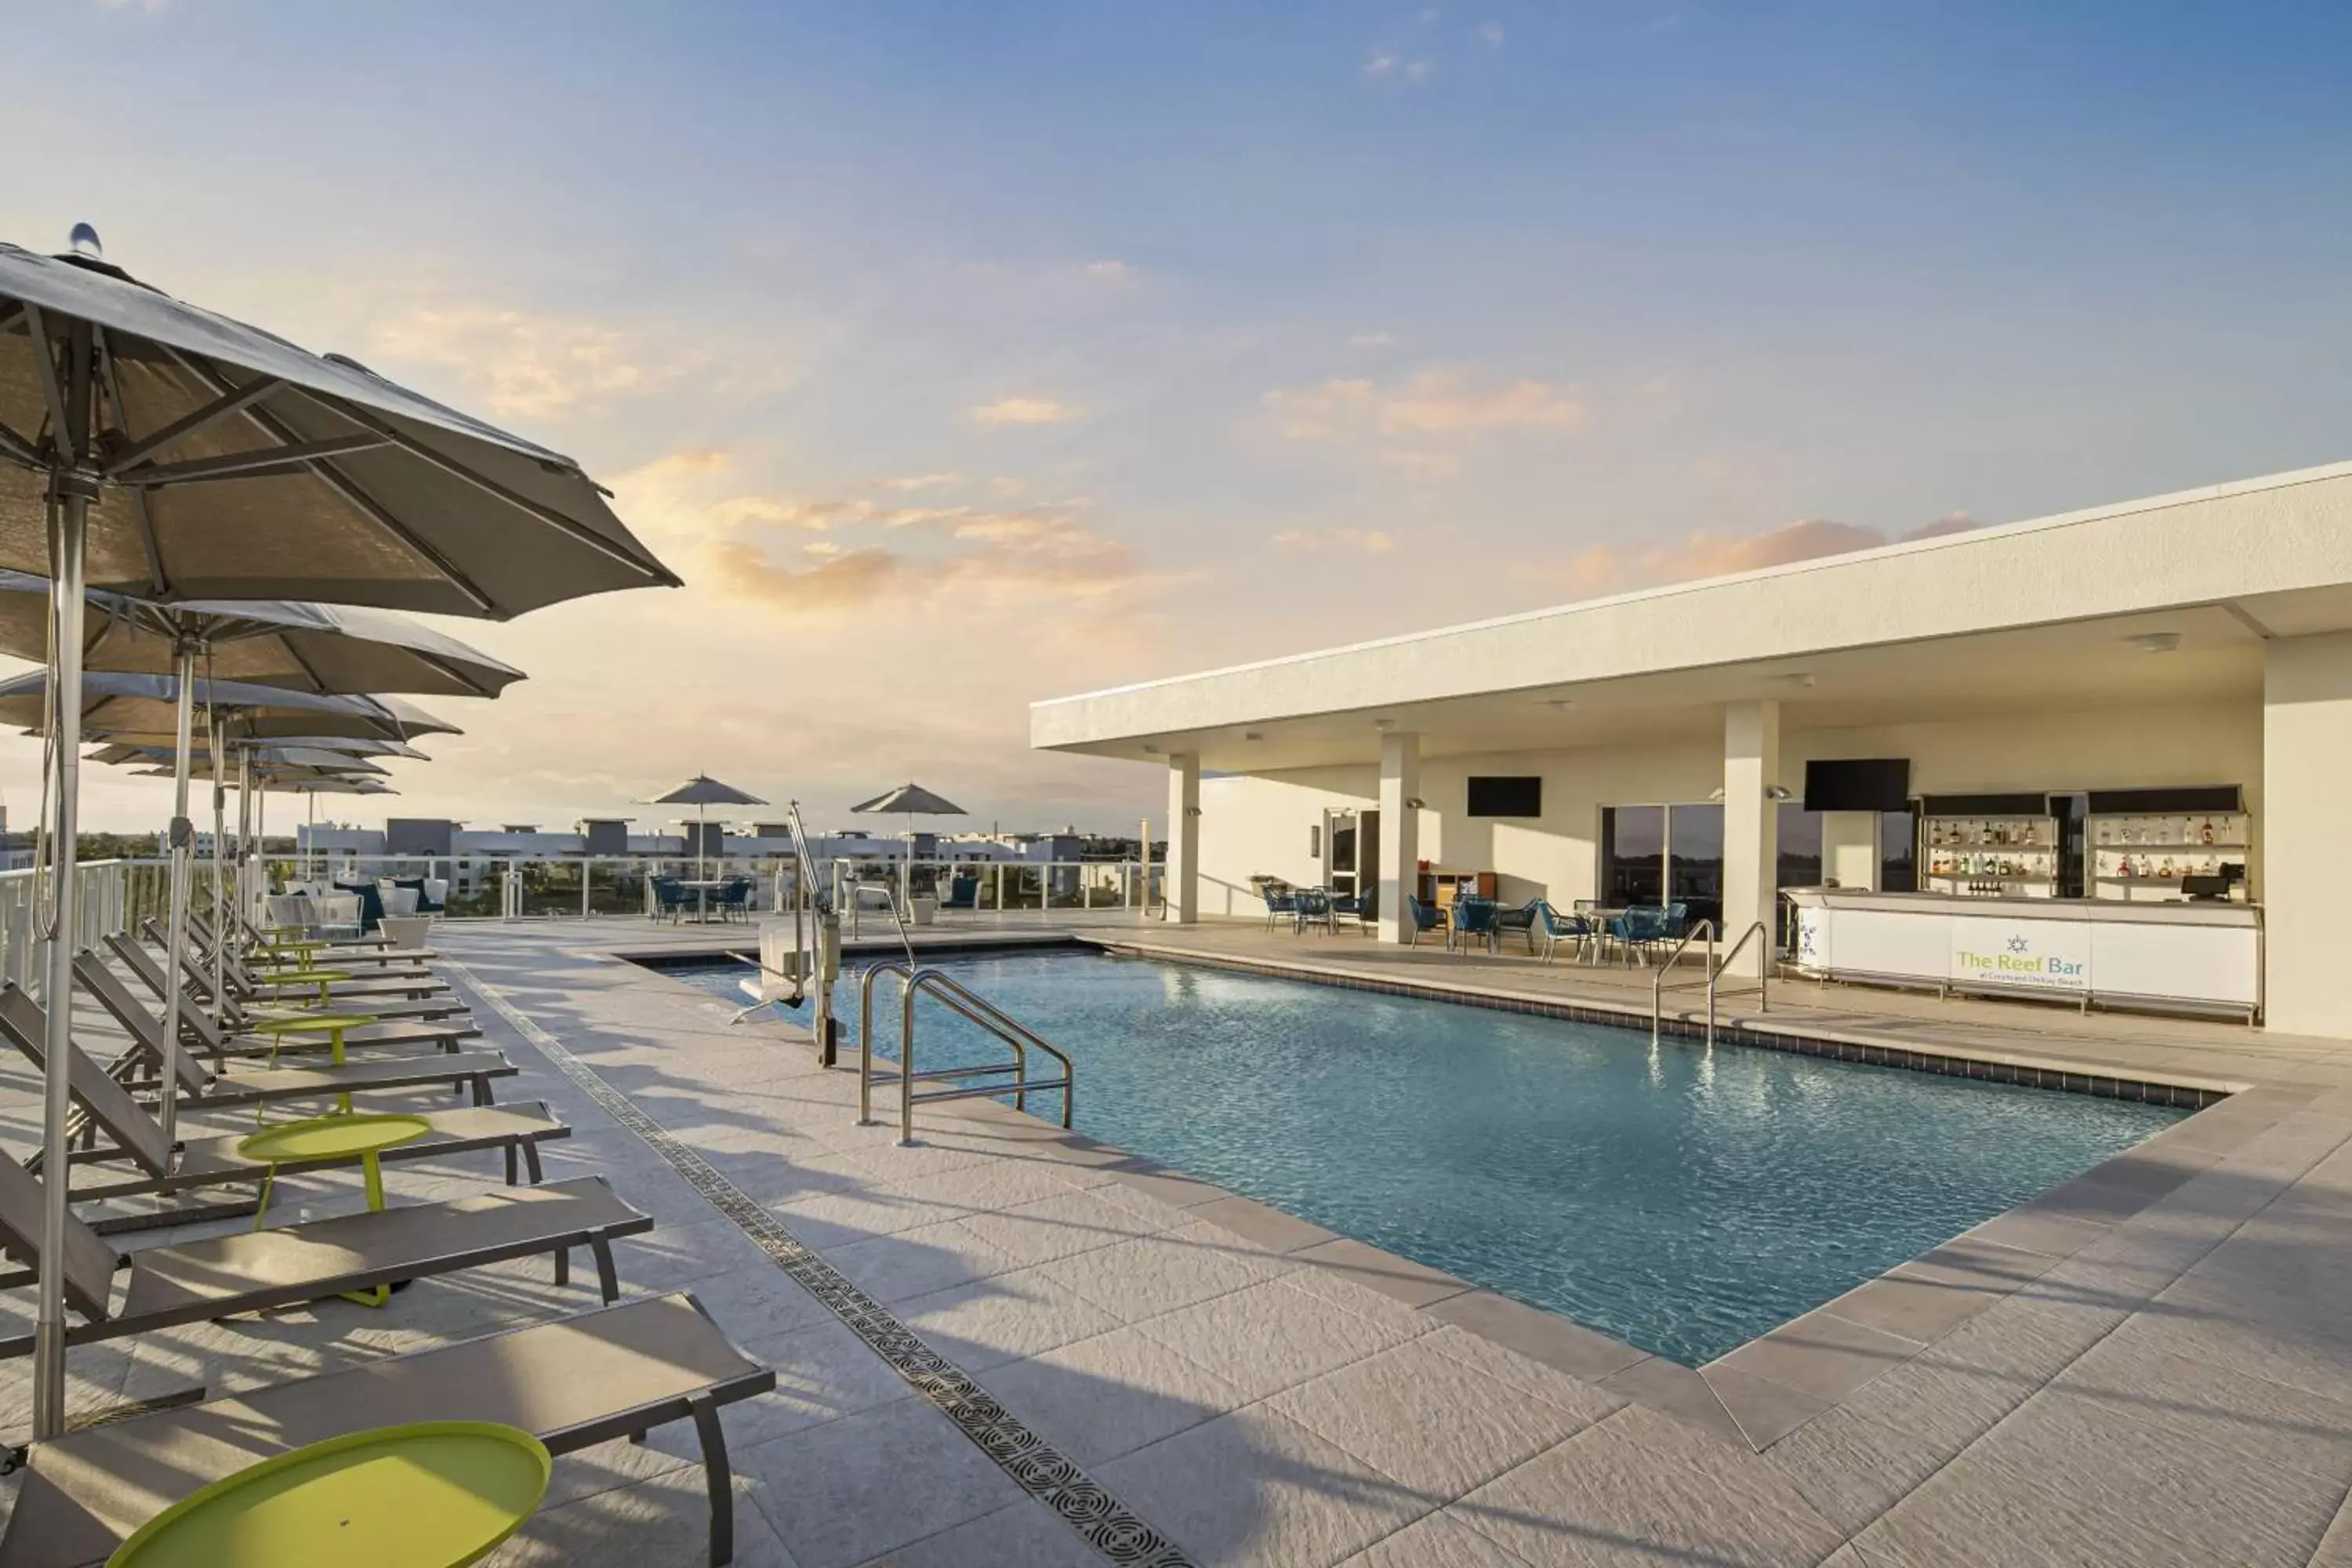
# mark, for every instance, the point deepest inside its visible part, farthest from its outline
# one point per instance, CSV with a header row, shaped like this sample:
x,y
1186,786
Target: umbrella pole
x,y
244,836
182,837
220,871
69,495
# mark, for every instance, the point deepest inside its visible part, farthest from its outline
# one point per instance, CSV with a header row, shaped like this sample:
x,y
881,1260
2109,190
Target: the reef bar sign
x,y
2037,955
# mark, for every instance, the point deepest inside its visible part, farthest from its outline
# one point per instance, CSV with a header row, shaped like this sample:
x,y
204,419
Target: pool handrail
x,y
974,1009
1658,986
1763,973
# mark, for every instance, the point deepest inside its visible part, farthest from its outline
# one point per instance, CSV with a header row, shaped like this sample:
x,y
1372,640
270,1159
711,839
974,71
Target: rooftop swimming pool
x,y
1681,1199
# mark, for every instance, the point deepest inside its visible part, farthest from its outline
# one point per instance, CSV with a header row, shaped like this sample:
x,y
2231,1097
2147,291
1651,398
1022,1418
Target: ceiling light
x,y
1383,723
1252,734
2157,642
1565,704
1801,681
1149,750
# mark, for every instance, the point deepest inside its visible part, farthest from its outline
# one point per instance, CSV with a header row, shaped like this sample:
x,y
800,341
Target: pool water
x,y
1681,1199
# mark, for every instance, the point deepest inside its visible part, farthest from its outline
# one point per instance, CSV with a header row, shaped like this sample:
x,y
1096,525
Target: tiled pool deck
x,y
1010,1345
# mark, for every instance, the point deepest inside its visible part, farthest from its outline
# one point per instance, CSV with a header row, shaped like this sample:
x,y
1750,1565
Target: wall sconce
x,y
1191,811
1149,750
1415,804
1772,792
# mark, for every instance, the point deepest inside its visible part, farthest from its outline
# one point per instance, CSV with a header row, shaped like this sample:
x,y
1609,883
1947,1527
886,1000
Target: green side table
x,y
434,1494
336,1137
332,1025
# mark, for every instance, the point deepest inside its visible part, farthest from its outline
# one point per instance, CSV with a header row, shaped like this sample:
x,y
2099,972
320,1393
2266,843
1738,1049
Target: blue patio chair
x,y
1520,920
734,899
1313,906
1641,929
1550,928
670,898
1360,907
1422,918
1280,899
1474,917
963,893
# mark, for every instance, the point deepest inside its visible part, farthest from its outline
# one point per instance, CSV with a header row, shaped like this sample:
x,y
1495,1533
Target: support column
x,y
1183,874
2304,857
1751,838
1400,832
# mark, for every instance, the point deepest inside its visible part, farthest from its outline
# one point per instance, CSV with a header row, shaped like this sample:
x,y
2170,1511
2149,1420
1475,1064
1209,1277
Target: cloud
x,y
1418,70
1611,568
759,547
1382,65
919,482
1371,540
525,365
1441,405
1491,34
1024,411
1372,341
1111,271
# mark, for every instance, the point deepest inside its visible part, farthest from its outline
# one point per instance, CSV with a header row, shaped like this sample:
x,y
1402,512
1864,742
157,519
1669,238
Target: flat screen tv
x,y
1505,796
1865,784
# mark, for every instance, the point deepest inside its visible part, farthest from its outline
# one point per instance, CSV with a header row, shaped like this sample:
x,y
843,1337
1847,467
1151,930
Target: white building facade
x,y
2097,715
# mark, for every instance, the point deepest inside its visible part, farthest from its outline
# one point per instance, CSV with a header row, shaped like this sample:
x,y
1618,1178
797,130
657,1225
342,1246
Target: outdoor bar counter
x,y
2189,957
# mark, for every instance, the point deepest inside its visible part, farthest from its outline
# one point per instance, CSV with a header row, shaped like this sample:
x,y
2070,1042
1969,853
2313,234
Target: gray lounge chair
x,y
199,1033
215,1162
375,951
604,1374
244,1084
198,984
255,1270
246,984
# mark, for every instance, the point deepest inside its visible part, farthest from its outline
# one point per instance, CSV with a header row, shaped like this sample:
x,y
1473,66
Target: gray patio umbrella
x,y
308,648
149,446
910,801
703,792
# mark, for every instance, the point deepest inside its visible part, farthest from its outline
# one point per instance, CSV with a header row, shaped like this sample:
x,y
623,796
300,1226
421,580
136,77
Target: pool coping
x,y
1767,1388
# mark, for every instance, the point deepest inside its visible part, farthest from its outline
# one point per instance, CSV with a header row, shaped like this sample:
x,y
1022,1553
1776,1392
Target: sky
x,y
961,355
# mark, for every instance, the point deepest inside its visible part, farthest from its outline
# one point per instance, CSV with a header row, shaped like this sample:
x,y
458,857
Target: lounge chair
x,y
198,1032
246,985
215,1162
256,1271
255,964
241,1083
1423,919
618,1371
199,985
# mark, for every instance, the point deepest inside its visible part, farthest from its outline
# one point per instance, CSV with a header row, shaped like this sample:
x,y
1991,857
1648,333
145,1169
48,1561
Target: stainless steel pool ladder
x,y
974,1008
1712,977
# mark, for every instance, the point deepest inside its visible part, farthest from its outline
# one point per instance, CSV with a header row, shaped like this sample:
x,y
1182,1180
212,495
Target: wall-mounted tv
x,y
1507,796
1861,783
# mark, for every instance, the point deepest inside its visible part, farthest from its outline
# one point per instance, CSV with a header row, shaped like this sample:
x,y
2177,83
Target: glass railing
x,y
523,886
111,897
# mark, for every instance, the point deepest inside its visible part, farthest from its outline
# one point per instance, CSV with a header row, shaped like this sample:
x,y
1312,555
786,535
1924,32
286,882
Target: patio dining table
x,y
702,888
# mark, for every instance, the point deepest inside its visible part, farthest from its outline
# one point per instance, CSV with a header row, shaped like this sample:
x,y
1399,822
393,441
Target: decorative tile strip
x,y
1035,1466
2180,1096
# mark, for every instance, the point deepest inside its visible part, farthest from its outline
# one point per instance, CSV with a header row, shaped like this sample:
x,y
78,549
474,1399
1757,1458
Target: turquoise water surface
x,y
1681,1199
